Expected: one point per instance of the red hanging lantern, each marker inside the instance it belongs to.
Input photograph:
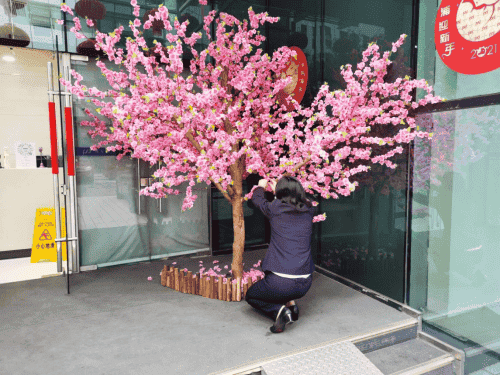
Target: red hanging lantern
(157, 25)
(87, 48)
(92, 9)
(13, 36)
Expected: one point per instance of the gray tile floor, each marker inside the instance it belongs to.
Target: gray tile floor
(115, 321)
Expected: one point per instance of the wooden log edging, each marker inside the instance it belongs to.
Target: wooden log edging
(203, 285)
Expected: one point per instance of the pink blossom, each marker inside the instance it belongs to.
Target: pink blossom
(226, 267)
(66, 8)
(270, 138)
(150, 278)
(174, 263)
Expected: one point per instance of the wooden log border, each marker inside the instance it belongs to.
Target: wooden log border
(197, 284)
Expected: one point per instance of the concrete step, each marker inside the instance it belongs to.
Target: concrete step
(415, 356)
(370, 341)
(396, 350)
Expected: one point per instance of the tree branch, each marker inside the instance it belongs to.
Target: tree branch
(194, 142)
(300, 165)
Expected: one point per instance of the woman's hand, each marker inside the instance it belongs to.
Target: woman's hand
(263, 184)
(273, 186)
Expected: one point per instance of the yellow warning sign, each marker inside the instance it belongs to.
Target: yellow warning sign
(44, 245)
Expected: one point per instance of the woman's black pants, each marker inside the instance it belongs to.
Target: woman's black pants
(269, 294)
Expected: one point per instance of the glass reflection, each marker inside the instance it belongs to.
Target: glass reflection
(31, 24)
(454, 227)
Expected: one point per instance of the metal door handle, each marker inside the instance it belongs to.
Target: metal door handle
(139, 184)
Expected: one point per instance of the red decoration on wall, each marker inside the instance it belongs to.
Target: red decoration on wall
(297, 69)
(92, 9)
(467, 35)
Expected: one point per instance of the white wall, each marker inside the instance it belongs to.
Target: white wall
(24, 116)
(22, 191)
(24, 113)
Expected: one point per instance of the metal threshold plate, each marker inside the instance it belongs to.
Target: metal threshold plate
(337, 359)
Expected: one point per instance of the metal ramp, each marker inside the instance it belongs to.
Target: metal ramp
(343, 358)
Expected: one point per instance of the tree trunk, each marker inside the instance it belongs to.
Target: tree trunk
(238, 226)
(239, 242)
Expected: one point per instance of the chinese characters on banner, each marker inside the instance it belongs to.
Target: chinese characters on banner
(467, 35)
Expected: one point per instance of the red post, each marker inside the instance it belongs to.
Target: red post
(69, 141)
(53, 138)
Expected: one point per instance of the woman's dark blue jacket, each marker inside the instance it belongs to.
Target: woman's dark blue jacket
(291, 229)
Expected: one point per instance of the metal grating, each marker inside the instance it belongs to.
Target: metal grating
(336, 359)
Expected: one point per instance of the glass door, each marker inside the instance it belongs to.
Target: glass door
(170, 230)
(257, 227)
(115, 224)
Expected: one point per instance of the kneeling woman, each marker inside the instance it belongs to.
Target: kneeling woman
(288, 263)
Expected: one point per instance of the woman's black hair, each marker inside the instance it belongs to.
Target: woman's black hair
(290, 190)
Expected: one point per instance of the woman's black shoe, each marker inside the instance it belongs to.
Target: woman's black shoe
(284, 317)
(295, 312)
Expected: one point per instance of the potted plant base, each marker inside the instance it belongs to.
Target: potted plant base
(205, 286)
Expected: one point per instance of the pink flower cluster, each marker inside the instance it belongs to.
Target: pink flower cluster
(225, 114)
(253, 274)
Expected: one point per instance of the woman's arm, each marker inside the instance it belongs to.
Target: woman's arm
(259, 199)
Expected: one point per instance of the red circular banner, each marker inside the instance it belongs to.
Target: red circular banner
(467, 35)
(297, 69)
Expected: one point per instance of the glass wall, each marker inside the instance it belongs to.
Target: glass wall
(455, 218)
(363, 237)
(454, 278)
(257, 227)
(351, 25)
(113, 14)
(31, 24)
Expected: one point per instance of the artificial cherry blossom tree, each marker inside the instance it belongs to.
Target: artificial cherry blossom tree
(223, 122)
